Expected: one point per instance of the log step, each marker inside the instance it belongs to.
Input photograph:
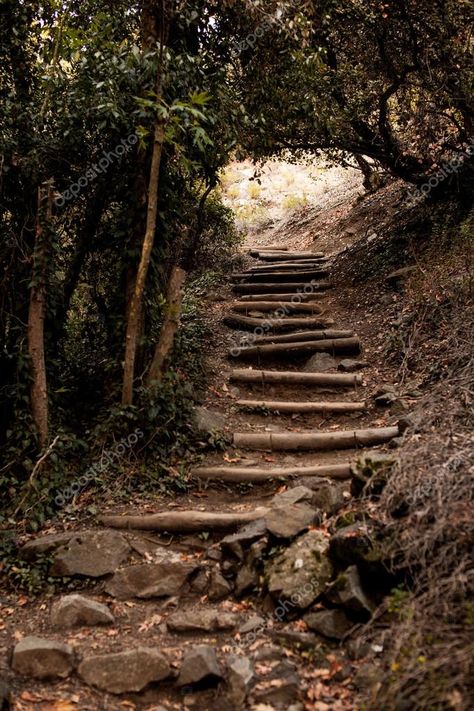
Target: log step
(281, 288)
(287, 306)
(303, 276)
(275, 324)
(300, 336)
(285, 266)
(302, 407)
(295, 441)
(268, 248)
(293, 298)
(184, 521)
(263, 377)
(287, 256)
(333, 345)
(261, 475)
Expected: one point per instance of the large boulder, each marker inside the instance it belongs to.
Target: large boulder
(278, 689)
(238, 543)
(289, 520)
(122, 672)
(357, 544)
(300, 573)
(204, 621)
(91, 554)
(149, 580)
(42, 658)
(208, 421)
(333, 624)
(200, 665)
(239, 678)
(76, 610)
(326, 495)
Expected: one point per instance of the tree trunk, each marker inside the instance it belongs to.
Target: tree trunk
(136, 304)
(164, 346)
(36, 318)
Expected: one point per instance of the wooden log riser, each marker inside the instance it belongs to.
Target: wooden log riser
(302, 407)
(336, 346)
(275, 324)
(271, 377)
(302, 277)
(184, 521)
(283, 306)
(292, 298)
(294, 442)
(301, 336)
(261, 475)
(282, 288)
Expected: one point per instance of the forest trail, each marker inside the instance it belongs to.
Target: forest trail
(235, 603)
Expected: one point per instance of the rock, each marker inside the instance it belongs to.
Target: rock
(219, 587)
(248, 576)
(150, 579)
(253, 623)
(352, 545)
(122, 672)
(42, 658)
(320, 363)
(5, 696)
(386, 399)
(45, 544)
(239, 680)
(289, 520)
(410, 422)
(214, 554)
(299, 574)
(76, 610)
(279, 688)
(200, 583)
(238, 542)
(349, 365)
(200, 665)
(91, 554)
(395, 279)
(201, 621)
(327, 496)
(330, 623)
(370, 474)
(347, 591)
(293, 638)
(208, 421)
(296, 495)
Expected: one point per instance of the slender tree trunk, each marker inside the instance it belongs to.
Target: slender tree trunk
(174, 299)
(136, 304)
(36, 318)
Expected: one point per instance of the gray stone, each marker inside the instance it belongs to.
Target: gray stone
(42, 658)
(247, 579)
(199, 665)
(283, 691)
(347, 591)
(410, 422)
(150, 579)
(296, 495)
(219, 587)
(326, 495)
(91, 554)
(320, 363)
(350, 365)
(330, 623)
(239, 680)
(293, 638)
(201, 621)
(201, 582)
(289, 520)
(353, 544)
(300, 573)
(208, 421)
(396, 278)
(253, 623)
(45, 544)
(76, 610)
(122, 672)
(237, 543)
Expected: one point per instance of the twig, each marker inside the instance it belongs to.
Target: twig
(35, 471)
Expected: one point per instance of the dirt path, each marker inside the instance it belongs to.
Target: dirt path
(198, 611)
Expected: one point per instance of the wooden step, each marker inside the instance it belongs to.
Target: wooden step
(287, 256)
(287, 306)
(302, 277)
(184, 521)
(300, 336)
(281, 288)
(290, 377)
(313, 441)
(293, 298)
(285, 266)
(302, 407)
(268, 248)
(250, 323)
(335, 346)
(261, 475)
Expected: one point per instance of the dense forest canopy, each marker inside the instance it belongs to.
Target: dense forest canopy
(116, 121)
